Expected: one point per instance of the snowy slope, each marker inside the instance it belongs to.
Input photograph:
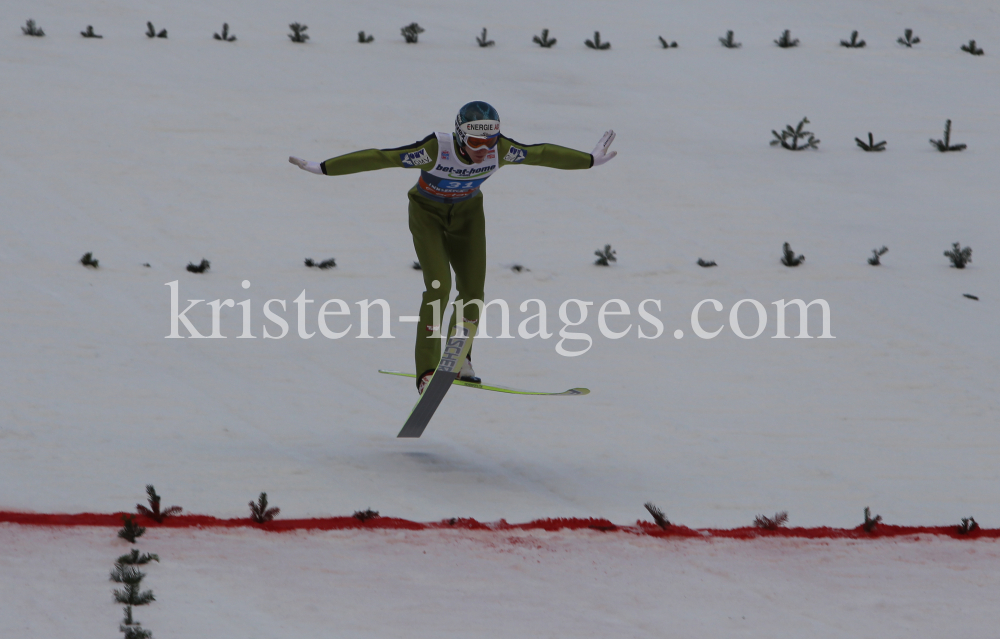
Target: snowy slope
(168, 151)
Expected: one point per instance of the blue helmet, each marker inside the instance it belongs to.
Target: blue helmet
(476, 119)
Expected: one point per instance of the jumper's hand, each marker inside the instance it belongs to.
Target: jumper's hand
(600, 152)
(312, 167)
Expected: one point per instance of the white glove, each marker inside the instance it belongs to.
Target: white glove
(600, 152)
(312, 167)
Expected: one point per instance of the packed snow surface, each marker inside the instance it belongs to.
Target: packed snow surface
(162, 152)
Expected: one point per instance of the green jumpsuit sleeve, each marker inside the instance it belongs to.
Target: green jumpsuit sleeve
(406, 157)
(550, 155)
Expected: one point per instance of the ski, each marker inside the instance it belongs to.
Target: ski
(501, 389)
(456, 348)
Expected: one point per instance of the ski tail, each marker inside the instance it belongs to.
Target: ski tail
(453, 354)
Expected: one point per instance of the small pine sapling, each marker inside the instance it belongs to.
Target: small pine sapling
(876, 254)
(544, 41)
(789, 258)
(728, 41)
(89, 33)
(605, 256)
(325, 264)
(972, 48)
(365, 515)
(786, 41)
(88, 260)
(872, 145)
(769, 523)
(853, 43)
(154, 512)
(135, 559)
(151, 32)
(945, 145)
(131, 577)
(968, 525)
(483, 42)
(959, 256)
(971, 297)
(199, 268)
(519, 268)
(130, 530)
(298, 33)
(416, 266)
(133, 629)
(31, 29)
(667, 45)
(225, 34)
(870, 523)
(596, 42)
(657, 515)
(795, 135)
(702, 263)
(908, 39)
(411, 32)
(260, 513)
(365, 39)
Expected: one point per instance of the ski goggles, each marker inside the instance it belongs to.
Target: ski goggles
(480, 143)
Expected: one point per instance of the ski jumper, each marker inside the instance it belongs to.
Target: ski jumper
(446, 217)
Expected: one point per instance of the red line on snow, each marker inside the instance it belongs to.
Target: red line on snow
(392, 523)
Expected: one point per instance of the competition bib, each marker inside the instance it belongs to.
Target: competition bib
(451, 180)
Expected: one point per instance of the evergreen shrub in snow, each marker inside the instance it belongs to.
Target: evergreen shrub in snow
(199, 268)
(596, 42)
(908, 39)
(133, 629)
(88, 260)
(605, 256)
(154, 512)
(972, 48)
(968, 525)
(417, 267)
(667, 45)
(786, 41)
(657, 514)
(31, 29)
(788, 257)
(365, 39)
(769, 523)
(151, 32)
(959, 256)
(853, 43)
(795, 135)
(482, 40)
(225, 34)
(945, 145)
(130, 530)
(728, 41)
(89, 33)
(325, 264)
(365, 515)
(876, 254)
(298, 33)
(544, 41)
(411, 32)
(705, 264)
(872, 145)
(870, 523)
(519, 268)
(260, 513)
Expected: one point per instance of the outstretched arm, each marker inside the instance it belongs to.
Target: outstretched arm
(555, 156)
(410, 156)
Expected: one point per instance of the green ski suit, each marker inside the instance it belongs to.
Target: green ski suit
(447, 220)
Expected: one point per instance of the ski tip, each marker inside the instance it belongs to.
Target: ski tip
(578, 391)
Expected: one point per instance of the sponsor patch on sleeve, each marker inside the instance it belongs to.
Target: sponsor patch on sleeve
(415, 158)
(515, 155)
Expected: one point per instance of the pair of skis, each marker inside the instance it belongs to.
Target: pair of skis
(456, 349)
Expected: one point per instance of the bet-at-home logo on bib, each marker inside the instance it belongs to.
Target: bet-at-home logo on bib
(515, 155)
(415, 159)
